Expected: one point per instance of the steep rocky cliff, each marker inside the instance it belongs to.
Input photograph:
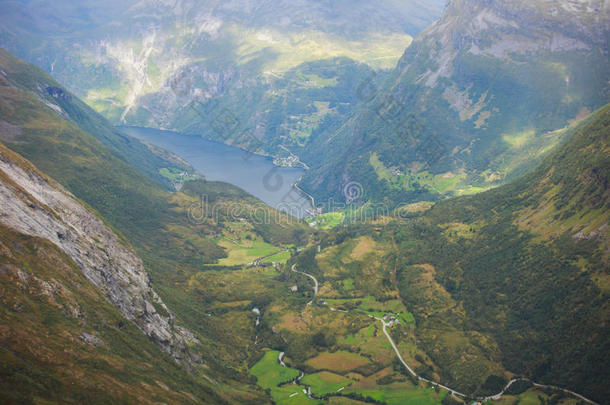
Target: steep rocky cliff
(505, 29)
(35, 205)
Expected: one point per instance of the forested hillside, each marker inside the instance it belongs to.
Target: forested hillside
(447, 162)
(174, 240)
(476, 100)
(512, 279)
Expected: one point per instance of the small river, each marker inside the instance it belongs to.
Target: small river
(253, 173)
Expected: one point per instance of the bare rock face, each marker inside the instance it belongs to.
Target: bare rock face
(36, 205)
(501, 29)
(58, 93)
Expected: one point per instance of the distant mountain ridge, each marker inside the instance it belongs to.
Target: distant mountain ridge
(123, 58)
(486, 86)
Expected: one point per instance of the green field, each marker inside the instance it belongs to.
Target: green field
(270, 374)
(177, 175)
(325, 383)
(245, 252)
(370, 306)
(348, 284)
(339, 361)
(404, 396)
(281, 257)
(410, 180)
(328, 220)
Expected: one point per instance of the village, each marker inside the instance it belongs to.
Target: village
(391, 320)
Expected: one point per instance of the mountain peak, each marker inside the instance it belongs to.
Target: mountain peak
(501, 28)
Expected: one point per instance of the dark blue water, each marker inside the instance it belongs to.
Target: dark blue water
(219, 162)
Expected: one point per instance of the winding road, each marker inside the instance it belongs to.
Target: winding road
(420, 378)
(258, 260)
(315, 281)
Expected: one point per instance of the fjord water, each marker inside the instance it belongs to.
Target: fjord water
(253, 173)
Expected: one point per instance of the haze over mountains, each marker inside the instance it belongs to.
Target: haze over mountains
(475, 100)
(486, 85)
(468, 141)
(126, 55)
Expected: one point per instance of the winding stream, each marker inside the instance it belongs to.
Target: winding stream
(256, 322)
(297, 380)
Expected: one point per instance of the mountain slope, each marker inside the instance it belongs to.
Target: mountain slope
(30, 78)
(474, 101)
(533, 272)
(510, 281)
(283, 112)
(175, 234)
(125, 59)
(69, 281)
(35, 206)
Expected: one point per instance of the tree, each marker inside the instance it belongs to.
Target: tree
(319, 339)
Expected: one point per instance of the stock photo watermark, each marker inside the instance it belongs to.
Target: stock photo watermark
(392, 115)
(203, 211)
(395, 117)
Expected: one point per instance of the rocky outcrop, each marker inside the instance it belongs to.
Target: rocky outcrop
(504, 28)
(36, 205)
(58, 93)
